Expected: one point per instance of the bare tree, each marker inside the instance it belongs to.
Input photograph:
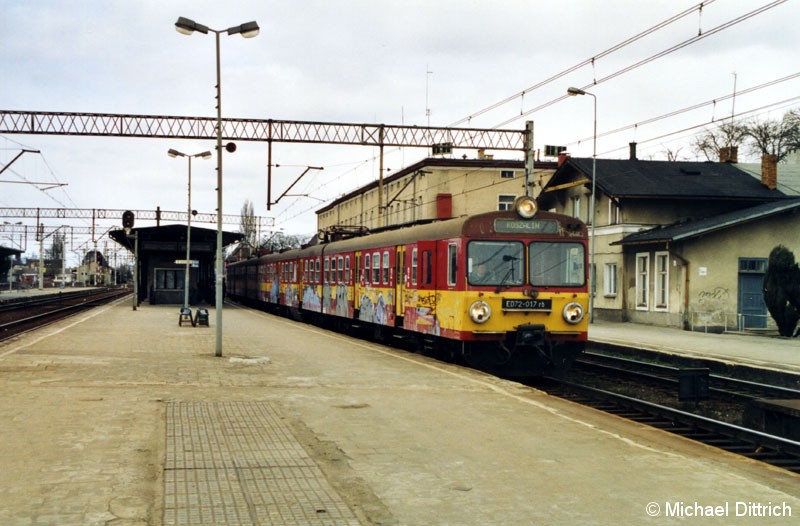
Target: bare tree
(247, 227)
(280, 241)
(772, 137)
(726, 135)
(672, 155)
(794, 141)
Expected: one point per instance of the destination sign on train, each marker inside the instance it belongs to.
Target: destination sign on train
(525, 226)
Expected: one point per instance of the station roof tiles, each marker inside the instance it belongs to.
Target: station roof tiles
(669, 179)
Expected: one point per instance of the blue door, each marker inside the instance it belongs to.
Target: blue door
(751, 293)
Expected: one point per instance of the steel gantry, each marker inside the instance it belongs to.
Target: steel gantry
(156, 215)
(263, 130)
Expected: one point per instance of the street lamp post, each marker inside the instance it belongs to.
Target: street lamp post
(593, 274)
(186, 26)
(202, 155)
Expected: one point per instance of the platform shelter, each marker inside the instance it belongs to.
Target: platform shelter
(162, 256)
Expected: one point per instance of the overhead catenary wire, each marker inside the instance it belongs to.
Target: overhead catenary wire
(785, 103)
(649, 59)
(690, 108)
(589, 61)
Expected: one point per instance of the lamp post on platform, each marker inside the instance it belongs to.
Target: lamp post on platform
(593, 274)
(186, 26)
(202, 155)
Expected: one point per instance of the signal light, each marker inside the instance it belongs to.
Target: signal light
(127, 219)
(230, 147)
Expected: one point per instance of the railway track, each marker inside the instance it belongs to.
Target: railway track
(19, 316)
(630, 388)
(720, 387)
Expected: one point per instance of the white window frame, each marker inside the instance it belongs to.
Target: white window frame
(576, 206)
(503, 202)
(452, 264)
(642, 300)
(414, 265)
(661, 281)
(610, 280)
(385, 268)
(376, 268)
(613, 213)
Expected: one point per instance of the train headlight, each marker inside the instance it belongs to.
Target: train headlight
(525, 206)
(480, 312)
(573, 313)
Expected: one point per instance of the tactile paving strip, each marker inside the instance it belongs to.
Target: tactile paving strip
(236, 463)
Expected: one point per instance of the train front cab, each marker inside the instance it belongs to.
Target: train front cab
(510, 294)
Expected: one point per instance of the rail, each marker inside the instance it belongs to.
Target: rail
(757, 445)
(20, 317)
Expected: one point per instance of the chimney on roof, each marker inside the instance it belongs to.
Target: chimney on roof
(562, 158)
(729, 154)
(632, 146)
(769, 171)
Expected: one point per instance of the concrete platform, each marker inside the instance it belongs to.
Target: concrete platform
(773, 353)
(122, 417)
(7, 295)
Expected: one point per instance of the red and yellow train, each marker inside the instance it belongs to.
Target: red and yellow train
(506, 290)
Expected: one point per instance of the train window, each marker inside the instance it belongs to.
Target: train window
(414, 266)
(496, 263)
(366, 268)
(452, 260)
(305, 270)
(316, 271)
(327, 276)
(427, 267)
(333, 269)
(294, 271)
(556, 264)
(341, 269)
(347, 269)
(386, 267)
(376, 267)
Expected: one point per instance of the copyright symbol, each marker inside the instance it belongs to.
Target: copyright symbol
(653, 509)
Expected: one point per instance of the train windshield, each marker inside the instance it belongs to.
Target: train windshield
(496, 263)
(554, 264)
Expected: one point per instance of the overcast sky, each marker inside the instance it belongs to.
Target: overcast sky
(364, 62)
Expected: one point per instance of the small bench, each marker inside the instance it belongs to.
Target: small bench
(186, 315)
(201, 317)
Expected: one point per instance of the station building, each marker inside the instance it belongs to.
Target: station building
(433, 188)
(681, 244)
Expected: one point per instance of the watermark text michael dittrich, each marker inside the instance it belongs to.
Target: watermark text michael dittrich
(726, 509)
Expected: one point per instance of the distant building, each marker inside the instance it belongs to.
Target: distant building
(433, 188)
(8, 258)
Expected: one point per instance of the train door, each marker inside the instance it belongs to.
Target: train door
(399, 282)
(358, 281)
(427, 296)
